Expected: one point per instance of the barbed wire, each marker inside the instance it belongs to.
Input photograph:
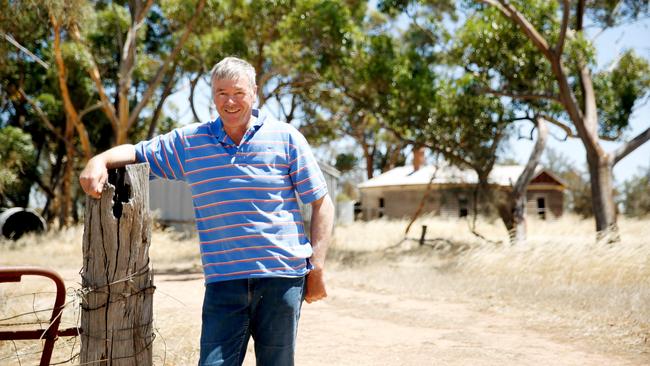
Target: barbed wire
(16, 351)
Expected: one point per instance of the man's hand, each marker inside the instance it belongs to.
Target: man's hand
(95, 174)
(93, 177)
(322, 220)
(315, 286)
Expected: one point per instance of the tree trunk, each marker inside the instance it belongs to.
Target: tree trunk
(513, 211)
(370, 160)
(423, 201)
(116, 319)
(519, 231)
(602, 197)
(68, 171)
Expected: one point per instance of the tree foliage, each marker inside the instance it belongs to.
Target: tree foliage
(59, 75)
(619, 91)
(17, 160)
(636, 194)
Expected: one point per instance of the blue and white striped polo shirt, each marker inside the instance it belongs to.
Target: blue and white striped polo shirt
(244, 197)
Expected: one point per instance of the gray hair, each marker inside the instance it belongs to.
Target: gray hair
(232, 68)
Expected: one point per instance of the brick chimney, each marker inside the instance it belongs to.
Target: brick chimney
(418, 158)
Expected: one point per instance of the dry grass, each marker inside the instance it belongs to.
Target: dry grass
(560, 279)
(559, 276)
(62, 252)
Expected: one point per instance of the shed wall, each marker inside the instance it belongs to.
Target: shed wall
(171, 201)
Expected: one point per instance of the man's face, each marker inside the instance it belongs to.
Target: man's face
(234, 100)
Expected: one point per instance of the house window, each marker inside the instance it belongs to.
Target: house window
(381, 207)
(463, 203)
(541, 208)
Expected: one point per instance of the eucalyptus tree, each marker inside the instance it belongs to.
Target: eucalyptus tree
(121, 55)
(87, 78)
(291, 44)
(436, 104)
(126, 71)
(538, 52)
(353, 98)
(31, 101)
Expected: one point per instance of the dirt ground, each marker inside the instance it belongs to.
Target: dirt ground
(362, 323)
(396, 306)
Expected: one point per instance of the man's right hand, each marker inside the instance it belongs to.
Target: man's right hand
(93, 177)
(95, 174)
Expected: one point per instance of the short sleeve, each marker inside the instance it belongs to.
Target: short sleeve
(165, 155)
(304, 171)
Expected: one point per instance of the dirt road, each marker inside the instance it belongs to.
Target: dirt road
(358, 325)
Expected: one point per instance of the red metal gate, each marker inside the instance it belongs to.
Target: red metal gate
(52, 332)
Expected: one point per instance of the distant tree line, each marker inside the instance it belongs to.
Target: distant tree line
(458, 78)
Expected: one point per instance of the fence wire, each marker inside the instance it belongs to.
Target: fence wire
(67, 349)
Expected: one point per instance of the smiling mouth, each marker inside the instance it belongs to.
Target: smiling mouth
(231, 110)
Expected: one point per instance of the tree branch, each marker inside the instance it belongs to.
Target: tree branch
(127, 65)
(566, 12)
(631, 145)
(70, 110)
(165, 65)
(527, 175)
(580, 13)
(590, 107)
(93, 72)
(513, 14)
(41, 114)
(305, 80)
(90, 109)
(426, 32)
(11, 40)
(520, 96)
(567, 130)
(156, 113)
(193, 83)
(566, 95)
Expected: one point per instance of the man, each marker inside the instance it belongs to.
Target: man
(245, 170)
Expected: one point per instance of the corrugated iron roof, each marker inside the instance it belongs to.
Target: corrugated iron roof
(503, 175)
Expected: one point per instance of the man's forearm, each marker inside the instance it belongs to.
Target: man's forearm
(322, 220)
(118, 156)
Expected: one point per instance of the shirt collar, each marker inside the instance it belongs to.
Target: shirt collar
(219, 132)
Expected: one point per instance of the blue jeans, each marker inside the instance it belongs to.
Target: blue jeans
(267, 309)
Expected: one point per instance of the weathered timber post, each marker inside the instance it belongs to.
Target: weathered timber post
(423, 235)
(116, 317)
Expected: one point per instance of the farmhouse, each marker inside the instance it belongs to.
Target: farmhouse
(398, 192)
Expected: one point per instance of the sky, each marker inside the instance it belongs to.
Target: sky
(609, 45)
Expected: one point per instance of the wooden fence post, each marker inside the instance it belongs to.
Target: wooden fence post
(117, 307)
(423, 235)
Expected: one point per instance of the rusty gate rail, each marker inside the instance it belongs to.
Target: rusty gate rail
(50, 335)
